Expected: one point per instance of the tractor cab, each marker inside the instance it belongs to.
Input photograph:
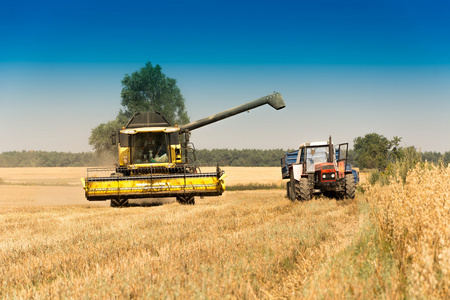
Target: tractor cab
(315, 156)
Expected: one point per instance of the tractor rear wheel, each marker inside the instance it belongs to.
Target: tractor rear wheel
(302, 190)
(350, 186)
(293, 192)
(288, 190)
(292, 183)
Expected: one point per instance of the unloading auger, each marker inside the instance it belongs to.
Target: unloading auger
(155, 160)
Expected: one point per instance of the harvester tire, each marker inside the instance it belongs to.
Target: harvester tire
(188, 200)
(350, 186)
(119, 202)
(302, 190)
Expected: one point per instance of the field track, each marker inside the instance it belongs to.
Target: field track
(244, 244)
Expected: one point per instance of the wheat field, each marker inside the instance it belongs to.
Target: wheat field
(243, 244)
(414, 217)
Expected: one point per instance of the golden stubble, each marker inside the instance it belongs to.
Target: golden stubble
(248, 244)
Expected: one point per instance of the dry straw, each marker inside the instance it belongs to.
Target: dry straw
(414, 216)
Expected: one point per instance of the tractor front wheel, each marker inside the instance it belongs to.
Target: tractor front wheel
(302, 190)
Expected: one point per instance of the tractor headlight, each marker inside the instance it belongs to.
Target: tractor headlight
(332, 175)
(125, 159)
(324, 176)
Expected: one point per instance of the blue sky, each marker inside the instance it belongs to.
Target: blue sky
(345, 68)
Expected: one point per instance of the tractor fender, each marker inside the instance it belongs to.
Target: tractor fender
(297, 171)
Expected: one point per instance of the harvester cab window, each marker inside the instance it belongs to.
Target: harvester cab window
(149, 147)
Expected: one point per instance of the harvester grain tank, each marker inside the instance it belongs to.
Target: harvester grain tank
(155, 160)
(318, 168)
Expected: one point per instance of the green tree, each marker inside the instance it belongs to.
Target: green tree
(100, 138)
(375, 151)
(150, 90)
(145, 90)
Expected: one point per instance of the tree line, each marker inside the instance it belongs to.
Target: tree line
(48, 159)
(240, 158)
(223, 157)
(204, 157)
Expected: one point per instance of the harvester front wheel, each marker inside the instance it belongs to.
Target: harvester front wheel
(302, 190)
(350, 186)
(188, 200)
(119, 202)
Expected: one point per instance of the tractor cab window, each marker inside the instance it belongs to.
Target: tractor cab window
(149, 147)
(315, 156)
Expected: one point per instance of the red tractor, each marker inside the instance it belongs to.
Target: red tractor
(318, 168)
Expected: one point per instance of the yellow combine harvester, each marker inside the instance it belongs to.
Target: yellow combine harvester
(155, 160)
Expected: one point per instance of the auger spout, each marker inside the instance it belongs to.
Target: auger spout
(275, 100)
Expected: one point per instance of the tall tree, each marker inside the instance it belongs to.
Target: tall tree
(145, 90)
(149, 89)
(100, 138)
(375, 151)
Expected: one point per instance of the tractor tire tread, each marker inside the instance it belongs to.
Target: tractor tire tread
(302, 190)
(350, 188)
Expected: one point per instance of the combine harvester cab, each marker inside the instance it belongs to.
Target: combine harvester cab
(155, 160)
(318, 168)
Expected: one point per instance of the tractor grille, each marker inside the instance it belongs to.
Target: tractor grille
(331, 176)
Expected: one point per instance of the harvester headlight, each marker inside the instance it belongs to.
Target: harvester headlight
(332, 175)
(323, 176)
(125, 159)
(129, 131)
